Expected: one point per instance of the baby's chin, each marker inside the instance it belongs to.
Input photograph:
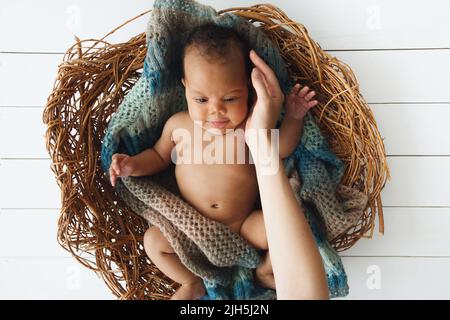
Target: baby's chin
(229, 128)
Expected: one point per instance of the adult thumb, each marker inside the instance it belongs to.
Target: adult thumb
(258, 83)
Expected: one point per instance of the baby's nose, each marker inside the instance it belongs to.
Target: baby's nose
(216, 108)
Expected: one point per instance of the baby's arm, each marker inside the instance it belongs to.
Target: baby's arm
(157, 158)
(297, 105)
(290, 135)
(149, 161)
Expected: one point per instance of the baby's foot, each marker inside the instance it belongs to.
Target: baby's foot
(299, 102)
(190, 291)
(264, 272)
(265, 280)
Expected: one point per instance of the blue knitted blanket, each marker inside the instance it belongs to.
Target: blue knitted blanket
(158, 94)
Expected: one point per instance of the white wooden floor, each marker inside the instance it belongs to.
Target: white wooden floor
(399, 51)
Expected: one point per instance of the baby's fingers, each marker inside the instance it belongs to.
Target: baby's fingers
(304, 91)
(312, 103)
(115, 168)
(310, 95)
(112, 176)
(295, 89)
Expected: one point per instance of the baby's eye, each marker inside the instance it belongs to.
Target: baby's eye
(200, 100)
(230, 99)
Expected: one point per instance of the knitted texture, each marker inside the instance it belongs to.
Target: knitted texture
(208, 248)
(339, 207)
(190, 233)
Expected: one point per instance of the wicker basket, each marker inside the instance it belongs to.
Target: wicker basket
(99, 229)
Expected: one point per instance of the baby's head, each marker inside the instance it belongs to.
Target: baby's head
(216, 74)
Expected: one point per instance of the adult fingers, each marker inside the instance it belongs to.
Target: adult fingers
(260, 86)
(271, 81)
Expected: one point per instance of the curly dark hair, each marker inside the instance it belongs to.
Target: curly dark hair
(216, 43)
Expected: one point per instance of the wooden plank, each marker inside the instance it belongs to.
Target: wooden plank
(352, 24)
(420, 232)
(401, 76)
(28, 142)
(366, 24)
(416, 181)
(397, 278)
(368, 278)
(27, 79)
(33, 232)
(54, 24)
(414, 129)
(28, 184)
(411, 129)
(50, 279)
(384, 76)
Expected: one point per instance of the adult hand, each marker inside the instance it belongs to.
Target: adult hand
(292, 246)
(269, 98)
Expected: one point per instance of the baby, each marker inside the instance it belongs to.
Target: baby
(216, 76)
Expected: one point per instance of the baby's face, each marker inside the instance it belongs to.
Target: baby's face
(216, 93)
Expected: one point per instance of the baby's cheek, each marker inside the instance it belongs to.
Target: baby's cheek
(195, 113)
(243, 110)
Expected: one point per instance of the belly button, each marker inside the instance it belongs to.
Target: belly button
(214, 205)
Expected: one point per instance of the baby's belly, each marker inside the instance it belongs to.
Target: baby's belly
(224, 193)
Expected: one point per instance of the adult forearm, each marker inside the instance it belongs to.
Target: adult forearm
(297, 264)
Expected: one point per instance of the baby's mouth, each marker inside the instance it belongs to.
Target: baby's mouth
(218, 124)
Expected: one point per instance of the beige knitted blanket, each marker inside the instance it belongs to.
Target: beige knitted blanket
(206, 247)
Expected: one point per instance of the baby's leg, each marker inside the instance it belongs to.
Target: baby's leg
(254, 231)
(162, 255)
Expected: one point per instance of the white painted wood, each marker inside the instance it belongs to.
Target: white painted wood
(29, 143)
(50, 278)
(27, 79)
(407, 90)
(383, 76)
(28, 184)
(414, 129)
(422, 232)
(33, 233)
(366, 24)
(49, 26)
(411, 278)
(416, 181)
(401, 76)
(409, 232)
(411, 129)
(399, 278)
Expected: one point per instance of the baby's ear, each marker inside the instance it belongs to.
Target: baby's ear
(182, 81)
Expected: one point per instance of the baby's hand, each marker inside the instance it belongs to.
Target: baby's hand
(122, 165)
(298, 102)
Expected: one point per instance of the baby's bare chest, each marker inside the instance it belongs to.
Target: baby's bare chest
(225, 193)
(217, 178)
